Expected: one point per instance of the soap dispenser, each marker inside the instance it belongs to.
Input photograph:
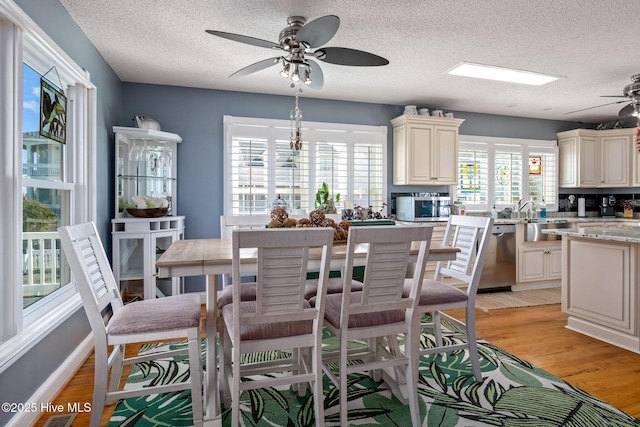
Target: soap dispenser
(494, 212)
(543, 209)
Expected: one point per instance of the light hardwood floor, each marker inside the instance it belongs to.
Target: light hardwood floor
(536, 334)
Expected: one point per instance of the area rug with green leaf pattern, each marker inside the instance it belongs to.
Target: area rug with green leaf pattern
(513, 393)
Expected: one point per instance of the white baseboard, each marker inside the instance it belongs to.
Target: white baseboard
(47, 392)
(535, 285)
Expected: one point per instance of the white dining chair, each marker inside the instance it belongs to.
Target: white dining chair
(278, 318)
(470, 234)
(115, 324)
(380, 312)
(228, 223)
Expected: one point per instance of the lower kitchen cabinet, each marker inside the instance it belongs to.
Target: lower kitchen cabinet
(537, 262)
(136, 245)
(600, 288)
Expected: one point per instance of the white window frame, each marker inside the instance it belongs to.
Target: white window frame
(271, 129)
(493, 144)
(22, 40)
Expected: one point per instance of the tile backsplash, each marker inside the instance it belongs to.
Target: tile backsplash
(593, 202)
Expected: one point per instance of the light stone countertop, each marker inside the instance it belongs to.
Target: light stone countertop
(623, 234)
(572, 219)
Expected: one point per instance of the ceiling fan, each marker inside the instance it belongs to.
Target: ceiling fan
(299, 42)
(631, 92)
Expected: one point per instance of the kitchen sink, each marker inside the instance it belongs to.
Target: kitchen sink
(534, 227)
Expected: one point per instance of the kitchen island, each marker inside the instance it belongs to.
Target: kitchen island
(600, 283)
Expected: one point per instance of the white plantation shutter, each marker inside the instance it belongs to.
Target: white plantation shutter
(368, 176)
(473, 176)
(332, 166)
(260, 165)
(292, 174)
(497, 170)
(250, 175)
(543, 185)
(508, 176)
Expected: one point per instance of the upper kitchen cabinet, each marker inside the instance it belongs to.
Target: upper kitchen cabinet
(595, 158)
(425, 150)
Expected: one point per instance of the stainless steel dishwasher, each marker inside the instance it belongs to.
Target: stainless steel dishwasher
(499, 270)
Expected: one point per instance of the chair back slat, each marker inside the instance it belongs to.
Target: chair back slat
(92, 272)
(282, 259)
(471, 236)
(386, 270)
(465, 239)
(228, 223)
(388, 255)
(281, 276)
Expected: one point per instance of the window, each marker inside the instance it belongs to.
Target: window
(50, 183)
(261, 165)
(45, 200)
(502, 171)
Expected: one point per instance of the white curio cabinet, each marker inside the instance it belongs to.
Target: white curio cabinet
(145, 166)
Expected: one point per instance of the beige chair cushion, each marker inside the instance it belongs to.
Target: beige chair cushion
(272, 330)
(248, 290)
(435, 292)
(334, 286)
(159, 314)
(333, 309)
(247, 293)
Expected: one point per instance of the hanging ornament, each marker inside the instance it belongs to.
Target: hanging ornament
(296, 125)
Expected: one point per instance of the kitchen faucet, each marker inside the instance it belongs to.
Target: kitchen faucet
(522, 205)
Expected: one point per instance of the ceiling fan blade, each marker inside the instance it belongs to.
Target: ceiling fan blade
(597, 106)
(245, 39)
(612, 96)
(317, 77)
(352, 57)
(319, 31)
(260, 65)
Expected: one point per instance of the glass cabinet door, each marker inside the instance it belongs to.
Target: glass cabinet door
(145, 166)
(129, 265)
(160, 243)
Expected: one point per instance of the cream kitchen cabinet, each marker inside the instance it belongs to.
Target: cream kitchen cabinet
(540, 261)
(425, 150)
(595, 158)
(635, 161)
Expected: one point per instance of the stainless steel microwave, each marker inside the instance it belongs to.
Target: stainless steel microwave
(422, 208)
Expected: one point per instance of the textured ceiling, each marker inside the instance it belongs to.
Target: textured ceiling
(593, 43)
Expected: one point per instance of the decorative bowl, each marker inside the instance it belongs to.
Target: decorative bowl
(148, 213)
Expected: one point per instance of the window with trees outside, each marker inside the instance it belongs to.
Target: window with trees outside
(502, 171)
(260, 165)
(48, 130)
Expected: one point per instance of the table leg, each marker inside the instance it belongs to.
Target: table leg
(211, 395)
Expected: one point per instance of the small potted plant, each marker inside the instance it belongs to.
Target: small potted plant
(324, 201)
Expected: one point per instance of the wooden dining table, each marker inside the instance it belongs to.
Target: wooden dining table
(213, 257)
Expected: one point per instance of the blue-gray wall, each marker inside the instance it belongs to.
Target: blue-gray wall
(196, 115)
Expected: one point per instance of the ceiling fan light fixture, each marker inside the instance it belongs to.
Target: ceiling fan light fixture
(295, 75)
(307, 76)
(286, 70)
(492, 72)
